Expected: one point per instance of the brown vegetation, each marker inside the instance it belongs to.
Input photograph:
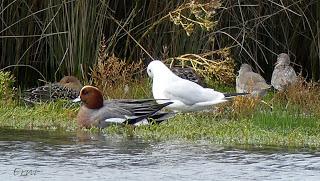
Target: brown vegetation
(303, 96)
(216, 65)
(113, 76)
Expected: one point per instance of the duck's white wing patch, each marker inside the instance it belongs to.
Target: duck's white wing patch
(114, 120)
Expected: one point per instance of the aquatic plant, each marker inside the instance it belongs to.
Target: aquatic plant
(62, 37)
(54, 37)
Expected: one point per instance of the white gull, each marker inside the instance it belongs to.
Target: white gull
(186, 95)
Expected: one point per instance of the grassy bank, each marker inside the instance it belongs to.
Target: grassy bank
(293, 120)
(52, 116)
(274, 128)
(225, 125)
(278, 128)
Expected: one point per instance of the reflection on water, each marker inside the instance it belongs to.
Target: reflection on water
(41, 155)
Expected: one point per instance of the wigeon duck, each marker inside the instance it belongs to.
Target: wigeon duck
(251, 82)
(189, 74)
(67, 88)
(96, 112)
(186, 95)
(283, 74)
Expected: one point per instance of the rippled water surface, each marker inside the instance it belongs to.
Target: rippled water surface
(38, 155)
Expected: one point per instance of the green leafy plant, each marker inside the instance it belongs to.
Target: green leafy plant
(7, 91)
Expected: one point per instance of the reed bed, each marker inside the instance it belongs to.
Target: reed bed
(262, 29)
(62, 37)
(48, 39)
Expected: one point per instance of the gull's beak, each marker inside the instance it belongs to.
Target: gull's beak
(76, 99)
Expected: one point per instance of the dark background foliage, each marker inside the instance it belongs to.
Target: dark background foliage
(62, 37)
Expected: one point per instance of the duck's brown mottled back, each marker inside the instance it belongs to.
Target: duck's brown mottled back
(67, 88)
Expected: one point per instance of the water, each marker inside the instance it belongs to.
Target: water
(39, 155)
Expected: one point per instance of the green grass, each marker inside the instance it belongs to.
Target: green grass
(240, 122)
(275, 128)
(263, 128)
(52, 116)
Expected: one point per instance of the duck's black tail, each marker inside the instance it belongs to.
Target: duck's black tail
(160, 117)
(151, 113)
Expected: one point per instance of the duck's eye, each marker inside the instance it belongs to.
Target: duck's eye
(84, 92)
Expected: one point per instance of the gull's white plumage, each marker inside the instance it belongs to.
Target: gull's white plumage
(185, 95)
